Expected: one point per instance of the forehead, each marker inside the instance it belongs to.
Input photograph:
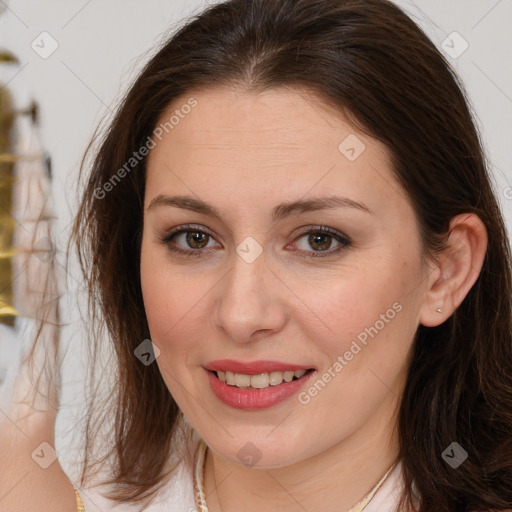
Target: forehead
(281, 139)
(230, 119)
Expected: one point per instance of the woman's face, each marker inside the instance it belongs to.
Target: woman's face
(260, 282)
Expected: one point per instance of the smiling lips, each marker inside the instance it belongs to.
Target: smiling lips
(255, 385)
(256, 374)
(260, 381)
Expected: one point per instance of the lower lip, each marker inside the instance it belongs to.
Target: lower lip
(254, 399)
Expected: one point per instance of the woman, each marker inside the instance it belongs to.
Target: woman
(290, 234)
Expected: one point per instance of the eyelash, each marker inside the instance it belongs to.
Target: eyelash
(189, 228)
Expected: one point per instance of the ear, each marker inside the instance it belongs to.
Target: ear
(456, 269)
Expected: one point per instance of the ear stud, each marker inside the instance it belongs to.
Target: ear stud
(439, 310)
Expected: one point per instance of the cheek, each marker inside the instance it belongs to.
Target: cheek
(365, 330)
(171, 306)
(357, 306)
(167, 305)
(174, 304)
(368, 319)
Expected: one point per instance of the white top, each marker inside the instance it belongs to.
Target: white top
(177, 495)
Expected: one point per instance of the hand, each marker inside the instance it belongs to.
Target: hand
(30, 475)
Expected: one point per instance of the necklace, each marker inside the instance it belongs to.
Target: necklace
(199, 469)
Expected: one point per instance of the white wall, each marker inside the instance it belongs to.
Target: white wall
(101, 44)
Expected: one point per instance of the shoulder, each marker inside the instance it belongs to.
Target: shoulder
(33, 479)
(176, 495)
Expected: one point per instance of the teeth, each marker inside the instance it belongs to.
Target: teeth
(288, 376)
(242, 381)
(261, 381)
(275, 378)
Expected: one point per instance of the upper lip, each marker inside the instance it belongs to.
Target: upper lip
(252, 367)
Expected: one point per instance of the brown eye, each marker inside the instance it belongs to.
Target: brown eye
(196, 239)
(320, 241)
(188, 240)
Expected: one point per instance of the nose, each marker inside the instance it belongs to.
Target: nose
(250, 301)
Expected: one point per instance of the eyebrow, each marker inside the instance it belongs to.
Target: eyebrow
(280, 212)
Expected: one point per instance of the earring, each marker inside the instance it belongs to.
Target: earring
(439, 310)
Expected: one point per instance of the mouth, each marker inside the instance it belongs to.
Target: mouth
(261, 380)
(256, 385)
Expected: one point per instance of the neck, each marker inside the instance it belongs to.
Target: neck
(334, 480)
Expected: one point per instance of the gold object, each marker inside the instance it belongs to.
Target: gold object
(8, 158)
(79, 505)
(8, 57)
(7, 223)
(8, 161)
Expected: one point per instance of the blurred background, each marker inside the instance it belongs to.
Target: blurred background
(64, 65)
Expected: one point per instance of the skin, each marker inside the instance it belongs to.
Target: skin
(244, 154)
(261, 150)
(31, 478)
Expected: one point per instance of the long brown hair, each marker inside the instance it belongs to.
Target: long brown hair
(370, 61)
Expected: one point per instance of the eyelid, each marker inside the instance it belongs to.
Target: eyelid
(188, 227)
(321, 228)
